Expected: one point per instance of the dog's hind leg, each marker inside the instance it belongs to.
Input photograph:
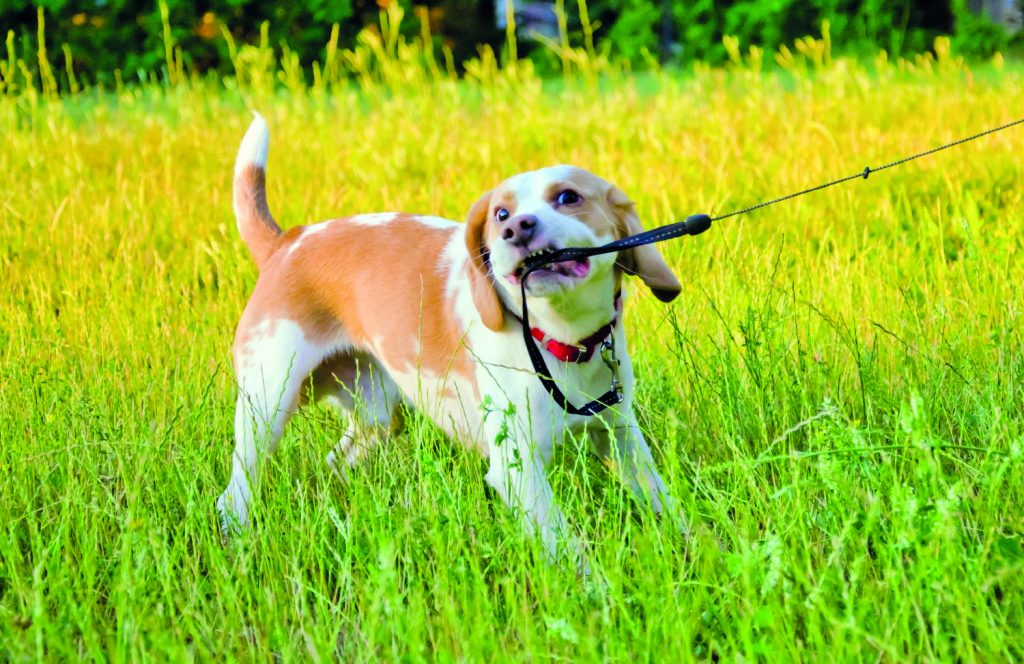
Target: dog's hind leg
(271, 364)
(371, 398)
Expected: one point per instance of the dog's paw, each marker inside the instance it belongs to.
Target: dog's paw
(231, 520)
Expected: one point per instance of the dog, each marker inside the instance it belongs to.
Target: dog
(378, 310)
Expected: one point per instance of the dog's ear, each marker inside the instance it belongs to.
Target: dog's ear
(481, 281)
(645, 262)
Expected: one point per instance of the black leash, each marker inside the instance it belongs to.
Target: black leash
(692, 225)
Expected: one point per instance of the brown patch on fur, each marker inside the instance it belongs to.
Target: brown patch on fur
(646, 261)
(255, 223)
(485, 296)
(380, 287)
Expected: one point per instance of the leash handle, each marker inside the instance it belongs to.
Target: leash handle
(695, 224)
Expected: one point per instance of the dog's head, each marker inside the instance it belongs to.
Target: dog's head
(552, 208)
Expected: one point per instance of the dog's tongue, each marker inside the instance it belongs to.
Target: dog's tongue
(572, 268)
(569, 268)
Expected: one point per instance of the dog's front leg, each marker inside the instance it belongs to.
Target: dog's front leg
(624, 449)
(518, 472)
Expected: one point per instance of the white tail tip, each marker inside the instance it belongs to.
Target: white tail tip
(255, 145)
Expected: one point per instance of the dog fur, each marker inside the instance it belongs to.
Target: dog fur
(377, 310)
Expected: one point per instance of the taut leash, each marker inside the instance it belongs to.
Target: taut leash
(692, 225)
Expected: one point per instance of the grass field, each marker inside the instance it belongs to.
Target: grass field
(836, 398)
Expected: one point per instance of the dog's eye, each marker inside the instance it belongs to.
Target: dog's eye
(501, 214)
(567, 197)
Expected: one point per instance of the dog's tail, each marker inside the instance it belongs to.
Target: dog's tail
(255, 223)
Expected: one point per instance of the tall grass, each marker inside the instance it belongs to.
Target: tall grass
(836, 397)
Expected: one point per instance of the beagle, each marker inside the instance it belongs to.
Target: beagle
(378, 310)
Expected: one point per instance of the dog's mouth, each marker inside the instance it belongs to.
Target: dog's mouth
(569, 269)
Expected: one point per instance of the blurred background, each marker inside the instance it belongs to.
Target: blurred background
(128, 36)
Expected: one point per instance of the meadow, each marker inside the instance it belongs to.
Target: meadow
(836, 397)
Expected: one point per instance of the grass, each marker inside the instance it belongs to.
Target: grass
(836, 398)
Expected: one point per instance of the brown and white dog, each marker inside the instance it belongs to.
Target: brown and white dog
(376, 310)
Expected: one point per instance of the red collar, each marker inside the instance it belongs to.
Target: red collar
(582, 350)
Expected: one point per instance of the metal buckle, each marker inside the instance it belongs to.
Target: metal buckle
(612, 361)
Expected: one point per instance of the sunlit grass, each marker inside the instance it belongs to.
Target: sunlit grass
(836, 397)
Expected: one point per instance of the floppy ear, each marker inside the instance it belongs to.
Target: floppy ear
(646, 261)
(481, 282)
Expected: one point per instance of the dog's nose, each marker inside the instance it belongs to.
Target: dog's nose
(519, 230)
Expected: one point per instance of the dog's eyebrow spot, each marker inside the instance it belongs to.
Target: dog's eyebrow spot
(376, 219)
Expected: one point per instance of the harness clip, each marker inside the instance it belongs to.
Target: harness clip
(612, 361)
